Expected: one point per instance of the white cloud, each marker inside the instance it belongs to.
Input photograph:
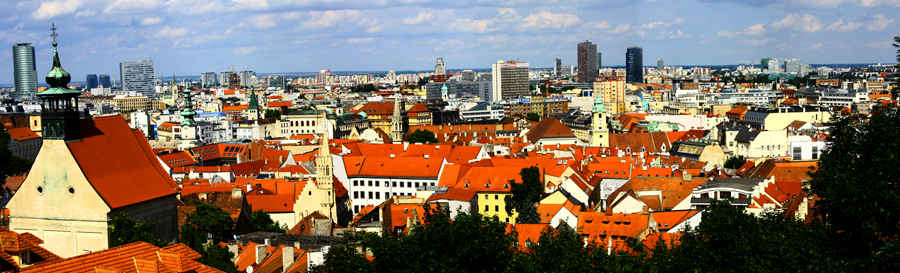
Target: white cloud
(151, 21)
(546, 19)
(676, 34)
(623, 28)
(266, 21)
(168, 32)
(132, 6)
(469, 25)
(656, 24)
(598, 25)
(52, 9)
(841, 26)
(726, 33)
(244, 5)
(880, 45)
(880, 3)
(756, 42)
(805, 23)
(816, 46)
(360, 40)
(757, 29)
(507, 13)
(880, 23)
(244, 50)
(421, 18)
(493, 39)
(325, 19)
(85, 13)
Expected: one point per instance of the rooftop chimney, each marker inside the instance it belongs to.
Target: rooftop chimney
(287, 257)
(260, 253)
(236, 193)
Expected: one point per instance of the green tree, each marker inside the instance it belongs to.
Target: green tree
(421, 136)
(533, 116)
(207, 220)
(217, 257)
(273, 113)
(557, 250)
(734, 162)
(10, 164)
(525, 194)
(124, 230)
(344, 259)
(261, 221)
(857, 186)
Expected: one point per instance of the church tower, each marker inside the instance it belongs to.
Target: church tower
(324, 174)
(188, 112)
(253, 109)
(599, 131)
(59, 105)
(397, 120)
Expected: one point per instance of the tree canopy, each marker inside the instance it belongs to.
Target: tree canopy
(525, 194)
(261, 221)
(10, 164)
(207, 220)
(124, 230)
(533, 116)
(421, 136)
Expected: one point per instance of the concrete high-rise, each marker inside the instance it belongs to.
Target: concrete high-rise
(246, 75)
(792, 66)
(659, 64)
(587, 61)
(611, 90)
(224, 77)
(439, 68)
(557, 67)
(91, 81)
(24, 71)
(208, 79)
(509, 80)
(599, 62)
(138, 77)
(634, 65)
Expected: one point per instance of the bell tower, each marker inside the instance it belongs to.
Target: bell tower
(599, 131)
(324, 169)
(59, 104)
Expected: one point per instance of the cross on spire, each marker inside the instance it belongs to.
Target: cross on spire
(53, 35)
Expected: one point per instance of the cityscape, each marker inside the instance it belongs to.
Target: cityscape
(399, 136)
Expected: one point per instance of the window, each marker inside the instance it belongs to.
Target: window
(377, 183)
(797, 152)
(378, 195)
(485, 197)
(387, 195)
(394, 184)
(496, 208)
(815, 152)
(370, 195)
(25, 257)
(417, 184)
(496, 196)
(355, 182)
(486, 208)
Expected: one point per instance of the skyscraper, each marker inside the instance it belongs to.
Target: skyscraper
(246, 75)
(599, 62)
(208, 79)
(659, 64)
(92, 81)
(764, 63)
(224, 77)
(439, 68)
(25, 71)
(792, 66)
(557, 67)
(634, 65)
(104, 80)
(138, 77)
(587, 61)
(510, 80)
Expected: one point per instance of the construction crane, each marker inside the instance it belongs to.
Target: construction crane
(233, 79)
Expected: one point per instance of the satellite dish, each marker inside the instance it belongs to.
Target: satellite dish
(250, 269)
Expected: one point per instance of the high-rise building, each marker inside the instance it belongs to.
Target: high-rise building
(599, 62)
(245, 77)
(467, 76)
(322, 76)
(104, 80)
(764, 63)
(587, 61)
(439, 68)
(138, 77)
(659, 64)
(24, 71)
(557, 66)
(277, 81)
(774, 66)
(634, 65)
(612, 91)
(510, 80)
(223, 78)
(208, 79)
(792, 66)
(91, 81)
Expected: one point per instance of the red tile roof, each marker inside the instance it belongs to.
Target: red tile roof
(272, 203)
(128, 258)
(22, 133)
(666, 220)
(280, 104)
(526, 234)
(549, 128)
(177, 159)
(111, 156)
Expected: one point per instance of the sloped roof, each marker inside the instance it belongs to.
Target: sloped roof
(22, 133)
(177, 159)
(659, 142)
(453, 194)
(668, 219)
(597, 225)
(125, 259)
(549, 128)
(527, 233)
(119, 163)
(272, 203)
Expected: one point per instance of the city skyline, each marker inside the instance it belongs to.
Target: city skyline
(281, 36)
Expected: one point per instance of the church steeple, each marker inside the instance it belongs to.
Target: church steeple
(59, 104)
(397, 121)
(188, 112)
(324, 168)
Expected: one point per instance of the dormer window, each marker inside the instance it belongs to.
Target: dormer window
(506, 185)
(487, 185)
(467, 185)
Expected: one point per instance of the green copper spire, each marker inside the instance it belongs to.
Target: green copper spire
(598, 103)
(60, 118)
(254, 103)
(57, 78)
(188, 112)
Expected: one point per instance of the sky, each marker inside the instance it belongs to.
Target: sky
(187, 37)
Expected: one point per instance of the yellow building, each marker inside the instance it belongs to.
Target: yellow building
(491, 203)
(612, 90)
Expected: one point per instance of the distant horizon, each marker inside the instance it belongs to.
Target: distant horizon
(197, 76)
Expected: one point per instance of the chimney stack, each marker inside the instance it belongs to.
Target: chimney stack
(287, 257)
(260, 253)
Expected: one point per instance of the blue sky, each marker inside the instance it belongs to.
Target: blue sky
(193, 36)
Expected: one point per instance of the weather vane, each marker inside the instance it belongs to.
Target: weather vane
(54, 35)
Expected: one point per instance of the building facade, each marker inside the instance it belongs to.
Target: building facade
(510, 80)
(138, 77)
(634, 65)
(587, 61)
(208, 79)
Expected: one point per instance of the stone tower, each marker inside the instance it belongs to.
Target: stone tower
(324, 174)
(599, 131)
(397, 120)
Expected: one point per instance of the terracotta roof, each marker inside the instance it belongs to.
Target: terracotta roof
(393, 167)
(235, 108)
(126, 155)
(670, 239)
(783, 171)
(22, 133)
(301, 228)
(280, 104)
(600, 227)
(128, 258)
(547, 211)
(526, 233)
(272, 203)
(247, 256)
(177, 159)
(659, 142)
(453, 194)
(666, 220)
(550, 128)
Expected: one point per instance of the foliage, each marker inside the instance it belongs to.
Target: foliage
(363, 88)
(344, 259)
(523, 195)
(273, 113)
(124, 230)
(205, 221)
(10, 164)
(557, 250)
(857, 185)
(468, 243)
(734, 162)
(422, 81)
(218, 257)
(421, 136)
(261, 221)
(533, 116)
